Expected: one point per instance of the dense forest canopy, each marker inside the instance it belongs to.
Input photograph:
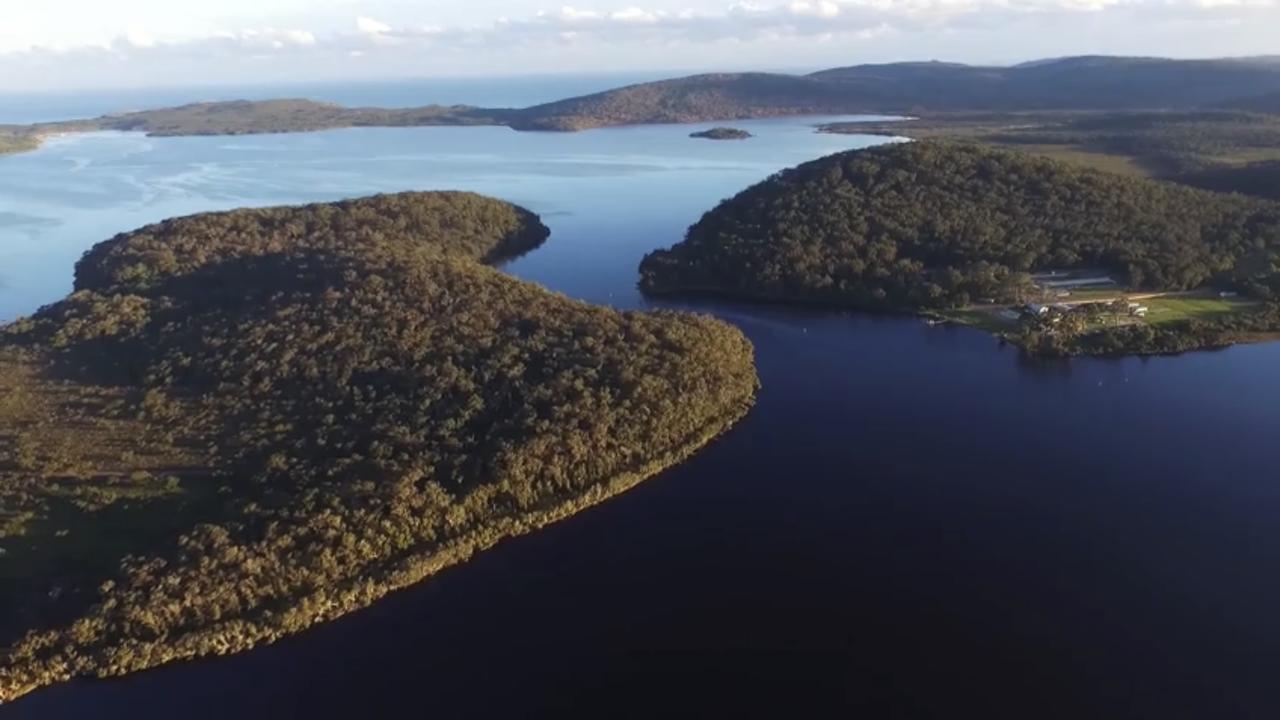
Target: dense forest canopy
(244, 423)
(939, 224)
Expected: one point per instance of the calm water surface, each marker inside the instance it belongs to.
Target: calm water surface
(914, 522)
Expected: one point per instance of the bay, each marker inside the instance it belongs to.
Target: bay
(913, 522)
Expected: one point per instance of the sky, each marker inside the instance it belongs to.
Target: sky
(85, 44)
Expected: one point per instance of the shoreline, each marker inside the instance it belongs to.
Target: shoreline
(39, 138)
(361, 591)
(944, 317)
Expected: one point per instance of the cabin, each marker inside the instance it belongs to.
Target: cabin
(1075, 282)
(1037, 310)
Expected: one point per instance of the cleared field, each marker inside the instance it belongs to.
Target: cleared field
(1079, 156)
(1098, 294)
(1173, 309)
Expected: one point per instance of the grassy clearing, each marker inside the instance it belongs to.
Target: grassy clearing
(1083, 157)
(1174, 309)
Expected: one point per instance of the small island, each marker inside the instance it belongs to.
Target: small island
(245, 423)
(722, 133)
(1056, 259)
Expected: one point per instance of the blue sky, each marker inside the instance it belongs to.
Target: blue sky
(68, 44)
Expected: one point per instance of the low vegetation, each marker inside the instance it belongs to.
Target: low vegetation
(241, 424)
(17, 140)
(938, 225)
(1214, 150)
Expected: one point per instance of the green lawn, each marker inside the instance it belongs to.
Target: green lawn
(1173, 309)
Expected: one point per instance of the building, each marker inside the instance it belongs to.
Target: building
(1075, 282)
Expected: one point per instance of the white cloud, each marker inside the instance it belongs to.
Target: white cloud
(369, 26)
(634, 15)
(743, 20)
(824, 8)
(402, 39)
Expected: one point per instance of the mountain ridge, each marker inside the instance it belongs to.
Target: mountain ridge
(1088, 82)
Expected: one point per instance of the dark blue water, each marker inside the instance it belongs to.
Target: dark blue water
(914, 521)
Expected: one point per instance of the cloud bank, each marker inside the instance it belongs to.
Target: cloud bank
(626, 35)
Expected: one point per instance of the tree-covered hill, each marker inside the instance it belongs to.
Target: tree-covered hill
(1073, 83)
(1084, 83)
(693, 99)
(243, 117)
(245, 423)
(939, 224)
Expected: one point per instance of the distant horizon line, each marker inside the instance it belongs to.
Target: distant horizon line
(655, 74)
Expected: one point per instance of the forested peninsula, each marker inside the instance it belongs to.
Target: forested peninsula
(913, 88)
(241, 424)
(1048, 255)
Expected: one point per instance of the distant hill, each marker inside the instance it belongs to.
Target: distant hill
(692, 99)
(241, 117)
(1080, 83)
(1265, 103)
